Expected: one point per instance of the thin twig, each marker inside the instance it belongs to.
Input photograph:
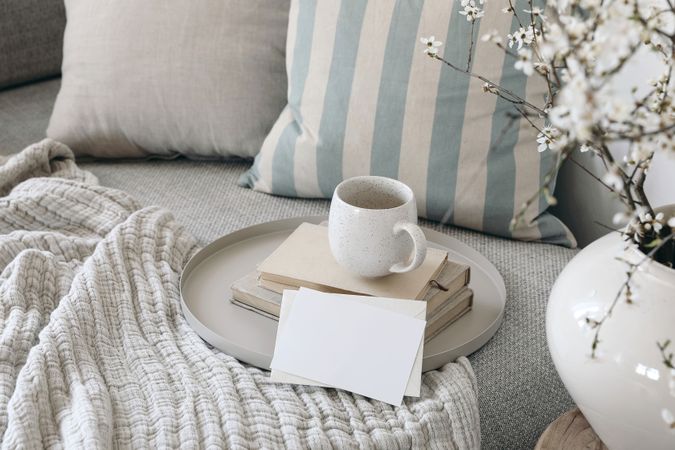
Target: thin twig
(515, 14)
(468, 62)
(625, 287)
(668, 358)
(606, 227)
(595, 177)
(545, 189)
(514, 97)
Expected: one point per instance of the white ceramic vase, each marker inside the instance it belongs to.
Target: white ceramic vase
(625, 392)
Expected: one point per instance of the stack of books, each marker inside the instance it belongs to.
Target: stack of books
(304, 259)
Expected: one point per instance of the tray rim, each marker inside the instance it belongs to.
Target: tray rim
(282, 225)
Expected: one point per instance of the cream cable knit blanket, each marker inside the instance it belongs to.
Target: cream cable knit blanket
(95, 353)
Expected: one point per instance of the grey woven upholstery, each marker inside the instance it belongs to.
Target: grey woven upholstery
(24, 114)
(519, 390)
(31, 40)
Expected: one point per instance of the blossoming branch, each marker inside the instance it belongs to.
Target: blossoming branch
(579, 48)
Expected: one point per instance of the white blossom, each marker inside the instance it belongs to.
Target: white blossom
(639, 154)
(561, 142)
(620, 218)
(546, 138)
(524, 61)
(575, 112)
(543, 68)
(431, 45)
(613, 179)
(649, 222)
(579, 51)
(575, 27)
(493, 36)
(520, 37)
(489, 87)
(556, 46)
(617, 109)
(471, 10)
(536, 12)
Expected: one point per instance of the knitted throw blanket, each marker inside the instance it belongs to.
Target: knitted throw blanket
(95, 352)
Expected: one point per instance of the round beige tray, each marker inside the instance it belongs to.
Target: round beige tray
(249, 337)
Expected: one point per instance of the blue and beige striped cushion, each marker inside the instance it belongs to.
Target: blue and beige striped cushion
(363, 98)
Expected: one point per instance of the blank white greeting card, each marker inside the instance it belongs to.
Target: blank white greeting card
(349, 345)
(417, 309)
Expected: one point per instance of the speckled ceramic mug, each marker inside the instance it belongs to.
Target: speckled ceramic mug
(372, 227)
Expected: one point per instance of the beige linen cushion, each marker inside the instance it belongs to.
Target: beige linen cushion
(202, 78)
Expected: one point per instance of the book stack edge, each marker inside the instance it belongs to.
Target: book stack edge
(304, 260)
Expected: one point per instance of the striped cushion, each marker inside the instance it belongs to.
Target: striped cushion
(363, 98)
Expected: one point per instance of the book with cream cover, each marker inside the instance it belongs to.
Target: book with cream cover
(266, 295)
(304, 259)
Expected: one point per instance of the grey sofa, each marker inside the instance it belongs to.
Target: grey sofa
(519, 390)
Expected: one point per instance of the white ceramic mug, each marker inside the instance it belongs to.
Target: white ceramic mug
(372, 227)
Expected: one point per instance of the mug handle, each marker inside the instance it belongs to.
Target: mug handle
(420, 247)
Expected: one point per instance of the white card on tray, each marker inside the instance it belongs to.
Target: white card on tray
(349, 345)
(412, 308)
